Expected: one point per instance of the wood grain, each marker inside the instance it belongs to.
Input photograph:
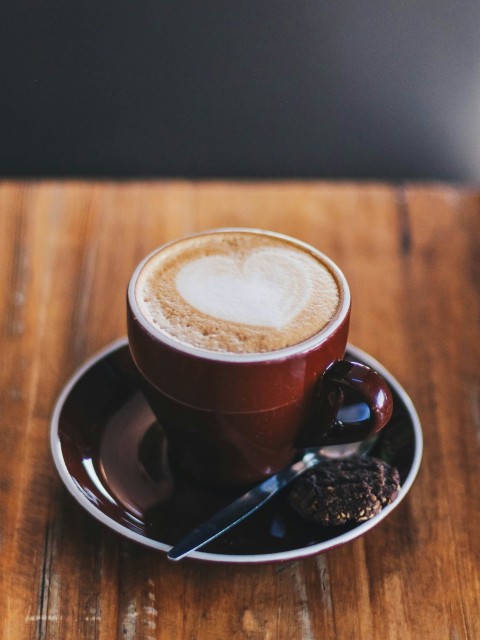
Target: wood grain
(412, 257)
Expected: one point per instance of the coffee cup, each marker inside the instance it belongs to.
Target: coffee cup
(239, 338)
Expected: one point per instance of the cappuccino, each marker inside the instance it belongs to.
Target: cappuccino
(237, 291)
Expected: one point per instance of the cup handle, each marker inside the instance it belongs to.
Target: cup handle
(326, 428)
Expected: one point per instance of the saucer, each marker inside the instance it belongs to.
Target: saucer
(111, 455)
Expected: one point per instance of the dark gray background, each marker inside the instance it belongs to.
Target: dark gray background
(366, 89)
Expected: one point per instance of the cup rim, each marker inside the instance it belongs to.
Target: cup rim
(223, 356)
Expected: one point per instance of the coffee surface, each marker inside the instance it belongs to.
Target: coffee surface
(237, 292)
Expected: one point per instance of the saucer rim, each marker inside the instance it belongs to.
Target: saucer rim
(283, 556)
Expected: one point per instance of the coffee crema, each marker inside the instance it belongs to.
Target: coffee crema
(237, 292)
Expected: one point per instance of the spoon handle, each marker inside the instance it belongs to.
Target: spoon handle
(242, 507)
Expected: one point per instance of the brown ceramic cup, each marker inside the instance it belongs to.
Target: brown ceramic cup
(234, 419)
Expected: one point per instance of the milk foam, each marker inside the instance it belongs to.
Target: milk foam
(267, 288)
(237, 291)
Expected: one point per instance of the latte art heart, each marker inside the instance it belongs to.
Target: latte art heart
(267, 288)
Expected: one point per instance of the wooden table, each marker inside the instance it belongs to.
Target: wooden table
(412, 257)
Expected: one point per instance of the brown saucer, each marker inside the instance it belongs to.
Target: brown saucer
(111, 456)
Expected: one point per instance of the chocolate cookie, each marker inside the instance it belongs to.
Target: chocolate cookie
(345, 490)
